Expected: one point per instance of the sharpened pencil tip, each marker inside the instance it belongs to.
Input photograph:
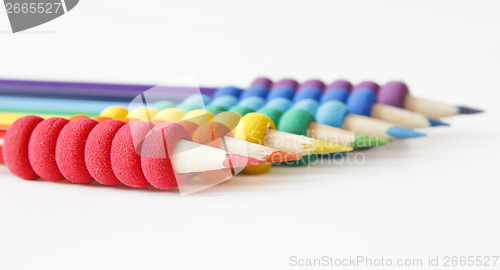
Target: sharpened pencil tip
(363, 141)
(235, 160)
(321, 147)
(404, 133)
(435, 123)
(280, 156)
(467, 110)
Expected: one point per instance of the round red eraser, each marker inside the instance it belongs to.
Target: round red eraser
(70, 150)
(125, 150)
(15, 146)
(156, 150)
(42, 148)
(98, 151)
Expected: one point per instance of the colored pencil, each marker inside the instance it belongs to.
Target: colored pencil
(278, 140)
(304, 146)
(390, 94)
(252, 151)
(32, 105)
(189, 157)
(360, 99)
(90, 91)
(358, 124)
(396, 93)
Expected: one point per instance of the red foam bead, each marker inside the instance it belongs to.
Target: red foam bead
(70, 150)
(15, 148)
(156, 150)
(42, 148)
(98, 151)
(125, 159)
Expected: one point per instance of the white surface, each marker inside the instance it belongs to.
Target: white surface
(412, 199)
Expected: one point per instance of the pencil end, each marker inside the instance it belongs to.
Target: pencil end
(435, 123)
(468, 110)
(404, 133)
(280, 156)
(321, 148)
(235, 160)
(363, 141)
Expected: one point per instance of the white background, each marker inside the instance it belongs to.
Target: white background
(412, 199)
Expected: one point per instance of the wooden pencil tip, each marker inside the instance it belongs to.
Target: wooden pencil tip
(235, 160)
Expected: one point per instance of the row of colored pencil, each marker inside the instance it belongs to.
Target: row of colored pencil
(193, 138)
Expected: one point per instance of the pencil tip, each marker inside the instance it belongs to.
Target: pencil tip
(363, 141)
(434, 123)
(403, 133)
(321, 147)
(467, 110)
(235, 160)
(280, 156)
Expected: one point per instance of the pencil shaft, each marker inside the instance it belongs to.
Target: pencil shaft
(82, 90)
